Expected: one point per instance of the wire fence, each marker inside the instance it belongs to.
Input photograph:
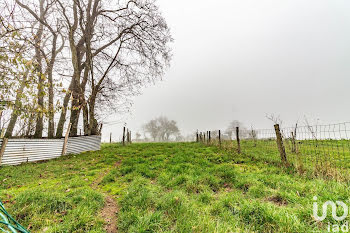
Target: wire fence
(319, 150)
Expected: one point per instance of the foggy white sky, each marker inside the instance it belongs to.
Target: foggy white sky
(239, 60)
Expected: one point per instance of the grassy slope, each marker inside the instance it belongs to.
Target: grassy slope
(56, 196)
(182, 187)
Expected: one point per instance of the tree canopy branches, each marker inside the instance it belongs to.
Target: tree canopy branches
(89, 57)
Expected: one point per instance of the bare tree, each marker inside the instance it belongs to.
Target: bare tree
(232, 128)
(46, 50)
(137, 136)
(110, 49)
(16, 73)
(161, 128)
(152, 128)
(275, 119)
(116, 46)
(168, 128)
(312, 129)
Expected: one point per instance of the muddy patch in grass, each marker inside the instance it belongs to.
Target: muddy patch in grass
(278, 200)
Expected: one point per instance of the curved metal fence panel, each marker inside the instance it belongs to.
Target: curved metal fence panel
(81, 144)
(18, 151)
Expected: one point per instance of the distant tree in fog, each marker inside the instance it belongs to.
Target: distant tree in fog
(214, 134)
(161, 128)
(152, 128)
(231, 129)
(138, 136)
(168, 128)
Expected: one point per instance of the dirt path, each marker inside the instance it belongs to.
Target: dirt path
(110, 210)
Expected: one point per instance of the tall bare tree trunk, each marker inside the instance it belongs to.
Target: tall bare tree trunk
(38, 37)
(75, 109)
(86, 120)
(93, 122)
(51, 123)
(29, 125)
(15, 112)
(62, 120)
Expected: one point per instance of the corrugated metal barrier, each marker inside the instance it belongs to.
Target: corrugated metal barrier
(84, 143)
(19, 151)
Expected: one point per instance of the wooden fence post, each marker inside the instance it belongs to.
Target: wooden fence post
(280, 145)
(209, 137)
(64, 149)
(238, 141)
(123, 142)
(110, 138)
(2, 150)
(220, 138)
(294, 146)
(127, 136)
(197, 137)
(100, 131)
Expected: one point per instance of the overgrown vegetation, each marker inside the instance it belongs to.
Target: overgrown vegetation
(166, 187)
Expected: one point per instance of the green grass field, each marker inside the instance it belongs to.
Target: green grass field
(165, 187)
(329, 159)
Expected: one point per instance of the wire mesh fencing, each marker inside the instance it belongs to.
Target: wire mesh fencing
(319, 150)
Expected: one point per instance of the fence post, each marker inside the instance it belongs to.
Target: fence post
(2, 150)
(128, 136)
(110, 138)
(238, 141)
(294, 150)
(203, 137)
(123, 142)
(64, 149)
(209, 137)
(280, 145)
(220, 138)
(100, 131)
